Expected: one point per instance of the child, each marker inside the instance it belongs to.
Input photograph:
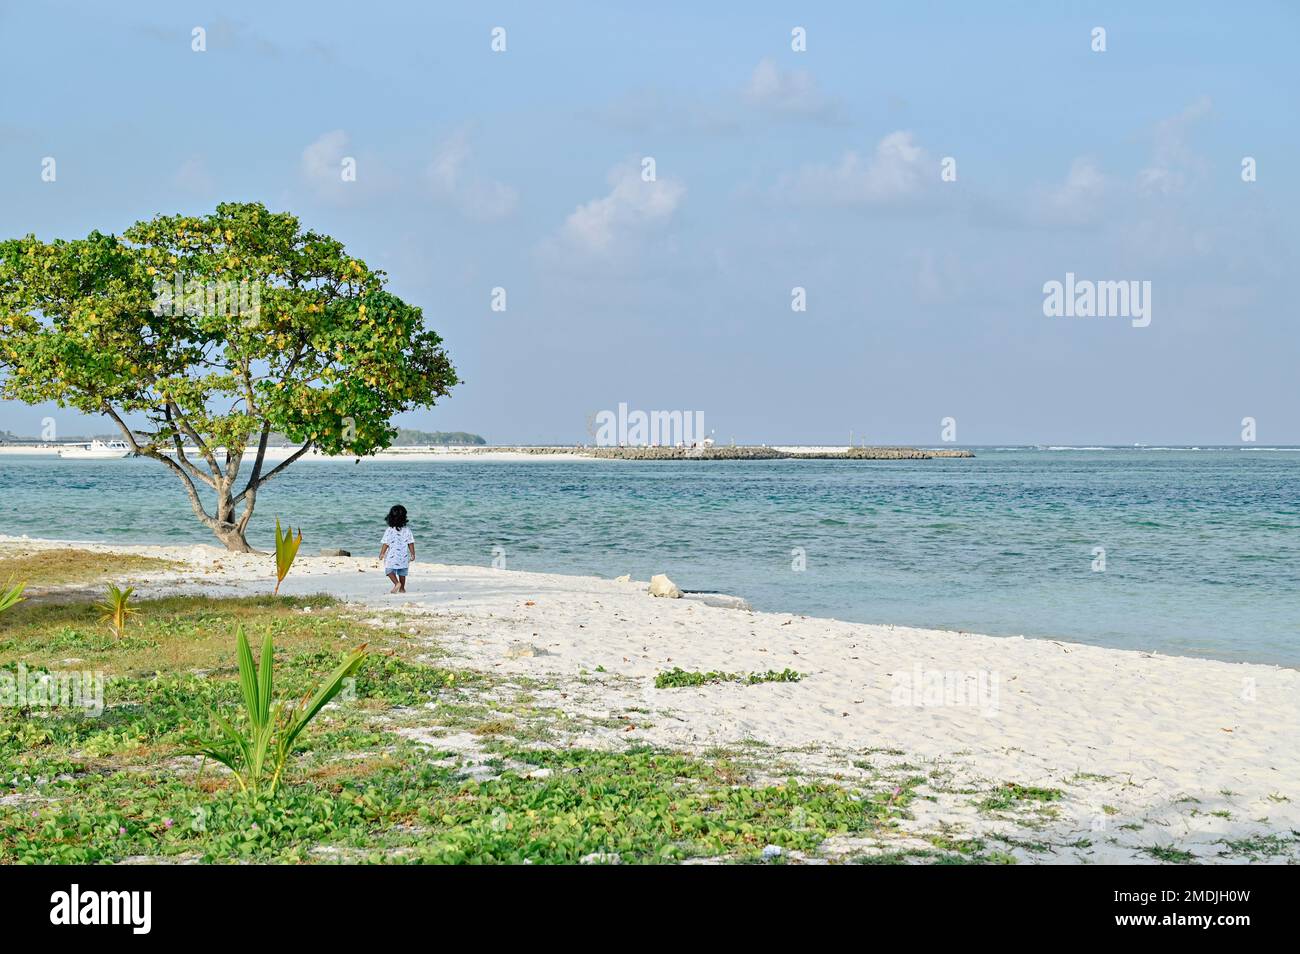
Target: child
(398, 549)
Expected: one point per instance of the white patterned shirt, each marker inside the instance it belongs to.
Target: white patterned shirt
(398, 556)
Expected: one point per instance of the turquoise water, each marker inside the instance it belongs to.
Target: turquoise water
(1202, 547)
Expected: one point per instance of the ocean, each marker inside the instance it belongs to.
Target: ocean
(1201, 547)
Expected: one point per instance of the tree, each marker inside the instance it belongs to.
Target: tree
(216, 330)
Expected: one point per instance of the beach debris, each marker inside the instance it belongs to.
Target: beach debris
(525, 651)
(660, 585)
(625, 578)
(336, 553)
(601, 858)
(772, 852)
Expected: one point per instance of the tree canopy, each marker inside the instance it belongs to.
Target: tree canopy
(216, 330)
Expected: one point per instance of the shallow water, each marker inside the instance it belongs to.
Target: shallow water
(1202, 548)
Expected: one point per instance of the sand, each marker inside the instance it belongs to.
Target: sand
(1151, 752)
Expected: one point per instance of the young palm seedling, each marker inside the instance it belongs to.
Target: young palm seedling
(258, 752)
(115, 609)
(11, 594)
(286, 549)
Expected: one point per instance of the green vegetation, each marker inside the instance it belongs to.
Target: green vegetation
(1169, 854)
(1010, 795)
(11, 594)
(407, 437)
(100, 788)
(286, 551)
(678, 678)
(61, 567)
(273, 727)
(216, 330)
(115, 609)
(1262, 846)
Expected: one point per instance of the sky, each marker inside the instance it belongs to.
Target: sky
(774, 169)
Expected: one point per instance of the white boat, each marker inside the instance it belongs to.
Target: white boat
(96, 450)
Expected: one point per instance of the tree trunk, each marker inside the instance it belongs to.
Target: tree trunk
(233, 538)
(228, 530)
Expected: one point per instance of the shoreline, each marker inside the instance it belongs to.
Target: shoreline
(1146, 750)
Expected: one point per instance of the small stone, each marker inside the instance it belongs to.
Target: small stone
(525, 650)
(601, 858)
(478, 773)
(660, 585)
(772, 852)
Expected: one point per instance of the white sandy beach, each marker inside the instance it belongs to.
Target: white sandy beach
(1150, 751)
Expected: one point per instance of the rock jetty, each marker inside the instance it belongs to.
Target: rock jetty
(733, 453)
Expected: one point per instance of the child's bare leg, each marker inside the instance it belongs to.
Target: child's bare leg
(393, 578)
(401, 583)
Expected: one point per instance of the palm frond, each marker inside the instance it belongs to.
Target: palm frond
(286, 551)
(11, 594)
(271, 729)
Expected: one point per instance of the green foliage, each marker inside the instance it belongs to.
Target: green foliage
(558, 807)
(264, 748)
(115, 609)
(327, 356)
(286, 551)
(11, 594)
(1010, 794)
(678, 678)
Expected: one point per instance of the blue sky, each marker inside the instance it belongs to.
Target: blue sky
(775, 169)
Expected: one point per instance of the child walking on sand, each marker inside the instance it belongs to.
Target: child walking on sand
(398, 549)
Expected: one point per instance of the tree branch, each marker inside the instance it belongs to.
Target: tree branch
(252, 486)
(149, 451)
(194, 436)
(180, 453)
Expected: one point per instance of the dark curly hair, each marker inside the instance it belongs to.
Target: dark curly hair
(397, 517)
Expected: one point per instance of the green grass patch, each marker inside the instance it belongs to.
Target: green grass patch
(174, 634)
(678, 678)
(1169, 854)
(44, 569)
(1011, 795)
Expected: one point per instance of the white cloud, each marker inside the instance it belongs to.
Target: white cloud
(1172, 160)
(608, 226)
(792, 92)
(897, 170)
(322, 160)
(1075, 202)
(452, 181)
